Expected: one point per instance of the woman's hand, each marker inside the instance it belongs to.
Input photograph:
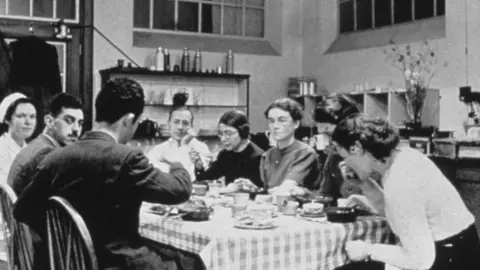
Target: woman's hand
(245, 184)
(348, 174)
(361, 202)
(358, 250)
(195, 159)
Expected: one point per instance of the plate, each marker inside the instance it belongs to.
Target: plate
(252, 227)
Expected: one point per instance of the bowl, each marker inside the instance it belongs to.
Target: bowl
(313, 208)
(341, 214)
(200, 189)
(253, 193)
(198, 214)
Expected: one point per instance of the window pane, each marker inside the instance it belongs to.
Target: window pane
(257, 3)
(19, 7)
(141, 13)
(383, 13)
(346, 16)
(211, 18)
(3, 6)
(254, 22)
(402, 10)
(66, 9)
(187, 16)
(440, 7)
(43, 8)
(232, 21)
(163, 14)
(235, 2)
(423, 9)
(364, 14)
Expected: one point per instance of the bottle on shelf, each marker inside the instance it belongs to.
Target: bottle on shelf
(185, 61)
(229, 64)
(166, 61)
(159, 60)
(198, 61)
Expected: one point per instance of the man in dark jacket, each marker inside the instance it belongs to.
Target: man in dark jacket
(106, 182)
(64, 122)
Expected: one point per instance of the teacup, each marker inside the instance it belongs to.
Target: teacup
(241, 198)
(290, 208)
(280, 200)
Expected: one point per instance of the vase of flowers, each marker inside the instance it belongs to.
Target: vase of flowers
(418, 68)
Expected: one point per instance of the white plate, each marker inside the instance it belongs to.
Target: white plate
(251, 227)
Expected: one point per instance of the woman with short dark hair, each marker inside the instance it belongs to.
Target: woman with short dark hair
(434, 227)
(240, 158)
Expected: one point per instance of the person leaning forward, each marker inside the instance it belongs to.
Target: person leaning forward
(106, 182)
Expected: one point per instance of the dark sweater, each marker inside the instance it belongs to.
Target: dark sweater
(233, 165)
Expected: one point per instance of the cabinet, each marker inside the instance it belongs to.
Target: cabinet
(210, 95)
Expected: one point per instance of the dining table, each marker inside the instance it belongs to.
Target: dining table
(294, 242)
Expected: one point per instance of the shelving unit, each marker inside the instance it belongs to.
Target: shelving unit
(393, 106)
(388, 104)
(210, 95)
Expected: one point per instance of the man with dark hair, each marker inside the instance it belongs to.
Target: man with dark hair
(106, 182)
(64, 121)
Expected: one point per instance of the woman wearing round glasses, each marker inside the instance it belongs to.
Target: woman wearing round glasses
(240, 158)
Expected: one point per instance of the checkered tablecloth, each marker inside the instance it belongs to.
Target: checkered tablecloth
(294, 244)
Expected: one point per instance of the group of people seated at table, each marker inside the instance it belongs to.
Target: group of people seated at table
(106, 181)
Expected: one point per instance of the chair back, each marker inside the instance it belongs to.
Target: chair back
(17, 237)
(70, 245)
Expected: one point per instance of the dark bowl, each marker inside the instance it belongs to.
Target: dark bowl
(253, 193)
(341, 214)
(199, 214)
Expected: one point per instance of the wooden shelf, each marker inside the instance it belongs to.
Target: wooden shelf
(146, 71)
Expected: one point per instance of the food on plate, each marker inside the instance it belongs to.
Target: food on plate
(192, 205)
(313, 208)
(158, 208)
(254, 220)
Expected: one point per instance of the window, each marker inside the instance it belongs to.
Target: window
(62, 59)
(245, 18)
(357, 15)
(42, 10)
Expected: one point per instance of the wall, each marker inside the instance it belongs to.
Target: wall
(269, 74)
(339, 72)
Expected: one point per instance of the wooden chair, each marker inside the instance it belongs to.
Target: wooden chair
(69, 242)
(19, 247)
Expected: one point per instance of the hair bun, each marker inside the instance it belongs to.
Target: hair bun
(180, 99)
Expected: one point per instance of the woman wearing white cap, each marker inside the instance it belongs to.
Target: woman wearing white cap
(18, 118)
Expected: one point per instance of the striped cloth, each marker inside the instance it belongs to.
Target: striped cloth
(293, 244)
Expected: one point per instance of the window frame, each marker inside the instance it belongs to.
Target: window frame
(199, 32)
(42, 19)
(392, 14)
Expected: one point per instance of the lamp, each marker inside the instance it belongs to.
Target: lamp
(62, 30)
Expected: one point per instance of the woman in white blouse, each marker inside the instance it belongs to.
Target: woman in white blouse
(434, 227)
(18, 118)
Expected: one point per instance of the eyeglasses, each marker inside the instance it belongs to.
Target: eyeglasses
(227, 134)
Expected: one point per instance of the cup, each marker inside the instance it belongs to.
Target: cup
(322, 140)
(290, 208)
(281, 199)
(241, 198)
(214, 189)
(199, 190)
(238, 209)
(271, 140)
(342, 202)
